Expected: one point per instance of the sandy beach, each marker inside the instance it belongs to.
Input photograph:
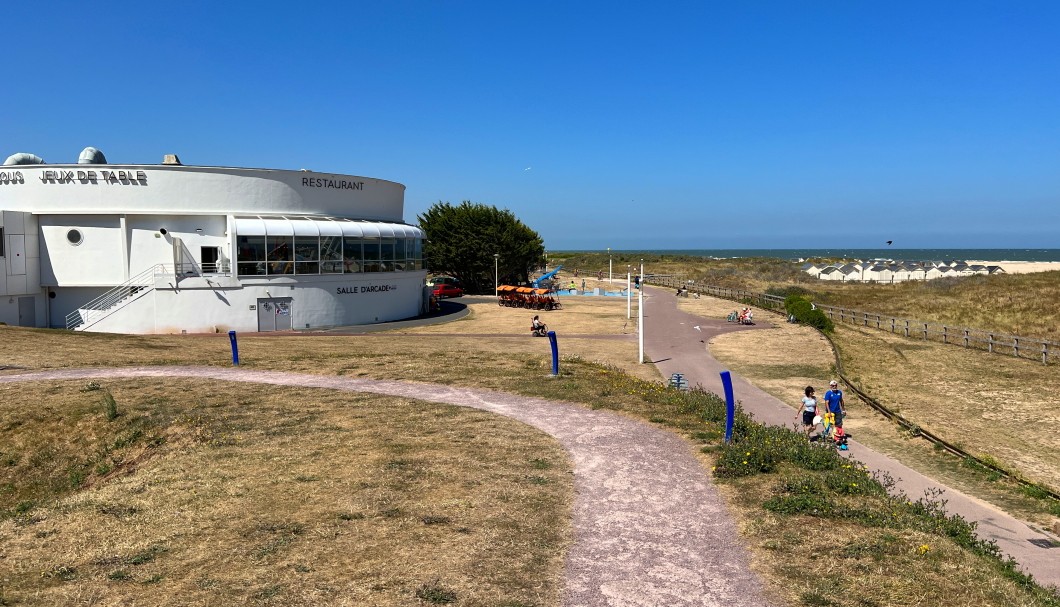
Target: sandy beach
(1021, 267)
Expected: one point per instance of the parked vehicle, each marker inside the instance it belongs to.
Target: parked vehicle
(447, 290)
(434, 281)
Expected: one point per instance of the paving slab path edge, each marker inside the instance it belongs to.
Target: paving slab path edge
(649, 526)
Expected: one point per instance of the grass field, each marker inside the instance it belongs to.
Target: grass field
(195, 493)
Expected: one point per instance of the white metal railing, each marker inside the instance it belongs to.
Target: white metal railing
(139, 283)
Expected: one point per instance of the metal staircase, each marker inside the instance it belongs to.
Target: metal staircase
(113, 299)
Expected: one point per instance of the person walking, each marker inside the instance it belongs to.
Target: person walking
(808, 412)
(834, 399)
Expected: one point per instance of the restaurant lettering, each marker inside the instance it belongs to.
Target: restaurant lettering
(365, 289)
(338, 184)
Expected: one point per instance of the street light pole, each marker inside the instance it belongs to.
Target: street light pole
(609, 273)
(640, 314)
(496, 284)
(629, 291)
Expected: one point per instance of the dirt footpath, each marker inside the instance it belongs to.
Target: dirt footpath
(649, 526)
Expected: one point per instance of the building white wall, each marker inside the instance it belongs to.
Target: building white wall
(98, 260)
(187, 190)
(198, 307)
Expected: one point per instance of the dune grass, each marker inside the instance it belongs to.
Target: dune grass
(201, 492)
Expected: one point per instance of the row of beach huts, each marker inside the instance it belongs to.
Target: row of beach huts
(888, 270)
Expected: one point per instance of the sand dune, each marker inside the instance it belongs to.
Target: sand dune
(1021, 267)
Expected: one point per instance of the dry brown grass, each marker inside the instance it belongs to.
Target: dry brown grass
(991, 405)
(1018, 304)
(823, 561)
(275, 496)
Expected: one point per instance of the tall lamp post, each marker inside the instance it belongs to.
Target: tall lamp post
(496, 284)
(640, 314)
(609, 273)
(629, 291)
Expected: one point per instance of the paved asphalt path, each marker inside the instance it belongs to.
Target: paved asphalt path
(673, 341)
(649, 526)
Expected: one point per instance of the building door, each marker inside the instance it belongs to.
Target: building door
(208, 259)
(27, 312)
(274, 314)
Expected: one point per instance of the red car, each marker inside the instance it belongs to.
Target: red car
(447, 290)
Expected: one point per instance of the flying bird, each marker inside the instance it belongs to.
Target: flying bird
(889, 241)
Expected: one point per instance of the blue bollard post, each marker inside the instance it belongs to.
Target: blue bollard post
(555, 352)
(235, 348)
(730, 405)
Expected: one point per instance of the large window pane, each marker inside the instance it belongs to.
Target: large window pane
(386, 254)
(399, 255)
(352, 256)
(371, 255)
(280, 254)
(307, 254)
(250, 255)
(330, 255)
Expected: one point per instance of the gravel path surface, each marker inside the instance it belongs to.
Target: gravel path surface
(649, 526)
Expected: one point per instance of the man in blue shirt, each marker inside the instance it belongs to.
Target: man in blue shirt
(833, 398)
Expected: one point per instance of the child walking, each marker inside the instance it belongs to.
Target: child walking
(809, 411)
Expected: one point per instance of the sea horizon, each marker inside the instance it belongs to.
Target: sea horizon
(1021, 254)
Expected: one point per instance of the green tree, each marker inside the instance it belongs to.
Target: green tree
(462, 240)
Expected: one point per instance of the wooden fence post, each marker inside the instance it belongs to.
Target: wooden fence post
(892, 325)
(989, 342)
(1016, 347)
(865, 319)
(945, 335)
(966, 338)
(1045, 352)
(925, 331)
(907, 328)
(877, 321)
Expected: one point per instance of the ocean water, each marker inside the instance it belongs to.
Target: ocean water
(888, 253)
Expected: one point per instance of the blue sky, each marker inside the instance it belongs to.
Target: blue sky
(600, 124)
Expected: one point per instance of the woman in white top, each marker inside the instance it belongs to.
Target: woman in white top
(809, 411)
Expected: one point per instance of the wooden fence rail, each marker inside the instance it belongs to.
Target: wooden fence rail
(1012, 345)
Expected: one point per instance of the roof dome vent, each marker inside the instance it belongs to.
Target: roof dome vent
(23, 158)
(91, 155)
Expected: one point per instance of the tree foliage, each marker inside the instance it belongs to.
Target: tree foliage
(462, 240)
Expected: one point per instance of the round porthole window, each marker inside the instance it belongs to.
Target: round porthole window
(75, 237)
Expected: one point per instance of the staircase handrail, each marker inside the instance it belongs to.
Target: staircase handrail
(117, 294)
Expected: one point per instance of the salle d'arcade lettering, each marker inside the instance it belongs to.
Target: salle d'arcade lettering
(365, 289)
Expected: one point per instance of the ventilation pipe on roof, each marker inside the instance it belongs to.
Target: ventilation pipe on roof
(91, 155)
(23, 158)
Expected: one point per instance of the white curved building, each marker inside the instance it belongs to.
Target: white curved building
(170, 248)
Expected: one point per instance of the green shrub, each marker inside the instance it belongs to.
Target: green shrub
(788, 291)
(804, 312)
(110, 406)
